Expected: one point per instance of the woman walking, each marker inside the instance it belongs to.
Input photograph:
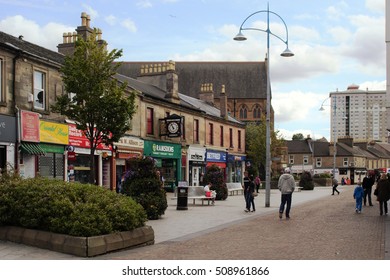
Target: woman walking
(383, 193)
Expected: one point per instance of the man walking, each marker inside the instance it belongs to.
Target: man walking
(368, 182)
(286, 185)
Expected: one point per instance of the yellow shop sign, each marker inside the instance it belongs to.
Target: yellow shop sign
(51, 132)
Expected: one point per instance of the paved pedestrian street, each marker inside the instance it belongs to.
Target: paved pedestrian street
(322, 227)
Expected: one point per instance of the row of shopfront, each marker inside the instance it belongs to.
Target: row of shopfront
(61, 151)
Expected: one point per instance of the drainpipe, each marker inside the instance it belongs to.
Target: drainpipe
(18, 136)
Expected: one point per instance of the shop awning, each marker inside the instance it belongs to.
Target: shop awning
(32, 148)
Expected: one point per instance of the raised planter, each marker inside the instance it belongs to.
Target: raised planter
(79, 246)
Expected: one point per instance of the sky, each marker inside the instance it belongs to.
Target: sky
(336, 43)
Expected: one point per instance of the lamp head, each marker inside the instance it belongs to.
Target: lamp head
(322, 108)
(239, 37)
(287, 53)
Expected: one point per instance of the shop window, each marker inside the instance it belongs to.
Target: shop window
(149, 121)
(51, 166)
(39, 90)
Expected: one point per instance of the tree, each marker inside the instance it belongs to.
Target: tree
(96, 101)
(256, 141)
(298, 136)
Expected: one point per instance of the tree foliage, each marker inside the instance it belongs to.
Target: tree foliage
(97, 102)
(256, 143)
(298, 136)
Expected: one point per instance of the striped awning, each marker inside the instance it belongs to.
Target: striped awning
(32, 148)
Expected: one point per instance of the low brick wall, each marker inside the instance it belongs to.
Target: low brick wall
(79, 246)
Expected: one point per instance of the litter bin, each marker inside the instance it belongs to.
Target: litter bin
(182, 198)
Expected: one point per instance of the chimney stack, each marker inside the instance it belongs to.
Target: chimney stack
(164, 77)
(223, 105)
(207, 93)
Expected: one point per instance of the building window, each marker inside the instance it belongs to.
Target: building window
(211, 134)
(231, 137)
(149, 121)
(239, 139)
(345, 162)
(221, 135)
(243, 112)
(39, 90)
(257, 112)
(306, 159)
(196, 131)
(318, 162)
(291, 159)
(1, 80)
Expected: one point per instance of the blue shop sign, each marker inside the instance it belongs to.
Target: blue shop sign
(233, 158)
(216, 156)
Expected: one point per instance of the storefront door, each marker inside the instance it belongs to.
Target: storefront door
(196, 171)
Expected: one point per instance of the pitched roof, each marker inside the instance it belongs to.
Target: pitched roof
(185, 101)
(241, 79)
(18, 44)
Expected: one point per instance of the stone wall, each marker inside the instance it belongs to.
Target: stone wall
(79, 246)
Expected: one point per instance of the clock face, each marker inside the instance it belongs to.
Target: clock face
(173, 127)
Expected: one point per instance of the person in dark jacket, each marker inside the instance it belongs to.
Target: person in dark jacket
(383, 193)
(250, 200)
(368, 182)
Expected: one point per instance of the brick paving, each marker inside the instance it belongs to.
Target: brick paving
(322, 227)
(325, 229)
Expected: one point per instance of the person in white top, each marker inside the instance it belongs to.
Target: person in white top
(286, 185)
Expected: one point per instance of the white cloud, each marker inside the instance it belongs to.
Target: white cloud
(111, 20)
(376, 5)
(144, 4)
(48, 36)
(91, 12)
(129, 25)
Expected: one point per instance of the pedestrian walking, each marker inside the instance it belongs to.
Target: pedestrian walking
(382, 192)
(257, 183)
(246, 187)
(250, 200)
(335, 184)
(358, 195)
(368, 182)
(286, 185)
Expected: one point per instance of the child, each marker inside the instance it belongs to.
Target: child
(358, 195)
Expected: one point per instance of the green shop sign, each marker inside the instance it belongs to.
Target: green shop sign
(162, 149)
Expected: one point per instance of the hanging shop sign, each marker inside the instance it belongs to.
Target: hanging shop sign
(29, 126)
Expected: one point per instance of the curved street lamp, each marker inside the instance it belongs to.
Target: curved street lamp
(285, 53)
(334, 131)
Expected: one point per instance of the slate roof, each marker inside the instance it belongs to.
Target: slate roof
(245, 80)
(185, 101)
(16, 44)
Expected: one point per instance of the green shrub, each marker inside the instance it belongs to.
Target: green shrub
(215, 176)
(306, 181)
(141, 182)
(68, 208)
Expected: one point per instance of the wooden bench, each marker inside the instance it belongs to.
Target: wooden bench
(234, 188)
(198, 193)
